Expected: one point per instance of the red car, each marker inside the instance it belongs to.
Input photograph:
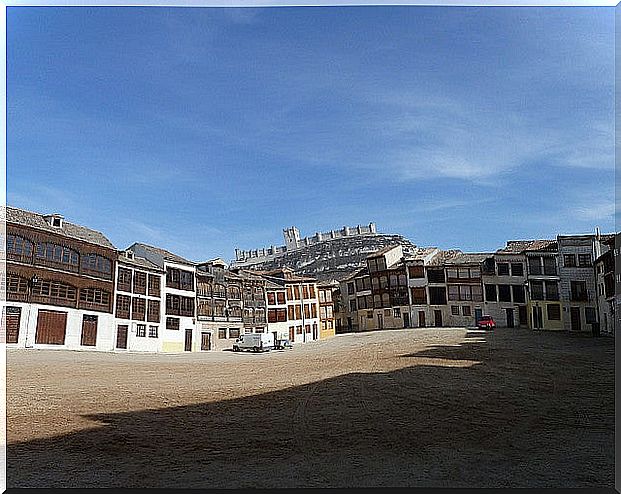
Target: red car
(486, 322)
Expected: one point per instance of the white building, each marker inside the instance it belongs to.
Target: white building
(179, 332)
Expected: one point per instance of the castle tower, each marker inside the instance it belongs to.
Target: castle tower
(292, 238)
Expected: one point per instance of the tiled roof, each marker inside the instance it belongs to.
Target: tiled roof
(139, 262)
(518, 246)
(419, 253)
(168, 256)
(444, 256)
(70, 230)
(353, 274)
(383, 251)
(468, 258)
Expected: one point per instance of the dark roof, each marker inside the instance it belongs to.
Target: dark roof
(358, 272)
(444, 256)
(139, 262)
(168, 256)
(518, 246)
(383, 251)
(70, 230)
(419, 253)
(468, 258)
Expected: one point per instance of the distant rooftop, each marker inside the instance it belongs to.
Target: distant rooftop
(518, 246)
(168, 256)
(70, 230)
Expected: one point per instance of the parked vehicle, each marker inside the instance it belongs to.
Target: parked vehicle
(256, 342)
(282, 344)
(486, 322)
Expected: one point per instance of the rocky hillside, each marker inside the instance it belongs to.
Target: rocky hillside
(335, 258)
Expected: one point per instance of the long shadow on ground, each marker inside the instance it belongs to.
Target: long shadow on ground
(471, 416)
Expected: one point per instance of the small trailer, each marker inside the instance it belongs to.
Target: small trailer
(256, 342)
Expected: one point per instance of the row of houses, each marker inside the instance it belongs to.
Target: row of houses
(565, 283)
(67, 286)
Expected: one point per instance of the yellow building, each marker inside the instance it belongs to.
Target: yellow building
(326, 308)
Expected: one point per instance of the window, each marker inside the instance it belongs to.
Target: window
(569, 260)
(186, 307)
(551, 290)
(298, 312)
(394, 280)
(311, 291)
(490, 293)
(281, 315)
(477, 293)
(172, 323)
(549, 265)
(289, 293)
(222, 334)
(18, 248)
(451, 273)
(455, 310)
(204, 308)
(153, 311)
(362, 303)
(307, 327)
(154, 285)
(385, 300)
(234, 332)
(584, 260)
(141, 330)
(61, 292)
(290, 312)
(435, 275)
(280, 297)
(517, 269)
(204, 289)
(298, 330)
(235, 293)
(579, 291)
(534, 265)
(140, 283)
(56, 254)
(296, 291)
(172, 278)
(271, 298)
(383, 280)
(152, 331)
(352, 305)
(437, 295)
(475, 273)
(503, 268)
(358, 288)
(93, 264)
(16, 284)
(322, 294)
(504, 293)
(271, 315)
(94, 296)
(518, 293)
(590, 315)
(536, 290)
(554, 312)
(305, 291)
(307, 311)
(396, 312)
(419, 295)
(124, 281)
(314, 310)
(122, 306)
(328, 296)
(138, 308)
(465, 310)
(416, 271)
(186, 280)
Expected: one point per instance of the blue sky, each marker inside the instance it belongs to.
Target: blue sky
(204, 129)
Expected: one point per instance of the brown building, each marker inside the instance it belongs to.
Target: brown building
(59, 283)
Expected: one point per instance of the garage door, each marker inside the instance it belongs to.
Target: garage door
(12, 318)
(51, 327)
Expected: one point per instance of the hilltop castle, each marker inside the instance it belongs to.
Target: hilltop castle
(293, 242)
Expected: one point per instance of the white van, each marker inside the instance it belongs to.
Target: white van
(257, 342)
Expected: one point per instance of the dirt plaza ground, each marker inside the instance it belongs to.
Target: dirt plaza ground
(432, 407)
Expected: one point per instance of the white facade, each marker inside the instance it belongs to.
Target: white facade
(29, 315)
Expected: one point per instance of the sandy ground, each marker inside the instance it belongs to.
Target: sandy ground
(436, 407)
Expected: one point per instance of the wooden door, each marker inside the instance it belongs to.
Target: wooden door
(205, 341)
(12, 318)
(510, 319)
(188, 340)
(421, 319)
(380, 321)
(291, 334)
(121, 336)
(89, 331)
(522, 315)
(575, 319)
(478, 313)
(437, 314)
(51, 327)
(406, 320)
